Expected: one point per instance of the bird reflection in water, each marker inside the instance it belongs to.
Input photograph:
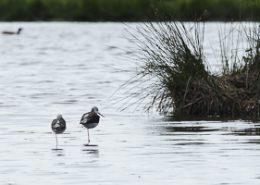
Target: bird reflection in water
(59, 152)
(91, 150)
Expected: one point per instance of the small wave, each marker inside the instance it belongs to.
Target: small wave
(66, 102)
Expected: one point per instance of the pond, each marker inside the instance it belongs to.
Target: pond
(67, 68)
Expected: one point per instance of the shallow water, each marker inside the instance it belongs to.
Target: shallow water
(67, 68)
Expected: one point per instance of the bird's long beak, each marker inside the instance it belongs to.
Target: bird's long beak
(100, 114)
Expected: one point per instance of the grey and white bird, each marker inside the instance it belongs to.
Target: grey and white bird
(90, 119)
(58, 126)
(12, 32)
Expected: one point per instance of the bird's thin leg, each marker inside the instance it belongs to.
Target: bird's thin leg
(88, 137)
(56, 141)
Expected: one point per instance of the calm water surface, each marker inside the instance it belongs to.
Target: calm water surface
(67, 68)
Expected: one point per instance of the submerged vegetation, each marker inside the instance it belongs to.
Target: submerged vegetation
(172, 58)
(128, 10)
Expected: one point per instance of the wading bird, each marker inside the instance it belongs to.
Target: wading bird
(12, 33)
(58, 126)
(90, 119)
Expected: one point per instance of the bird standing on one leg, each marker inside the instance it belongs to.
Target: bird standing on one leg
(90, 119)
(58, 126)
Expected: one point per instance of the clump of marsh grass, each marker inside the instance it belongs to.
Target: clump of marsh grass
(174, 75)
(170, 60)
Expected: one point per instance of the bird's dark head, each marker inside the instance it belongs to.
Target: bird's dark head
(59, 116)
(94, 109)
(19, 30)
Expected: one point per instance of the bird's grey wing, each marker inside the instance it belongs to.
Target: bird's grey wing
(83, 119)
(63, 122)
(53, 122)
(55, 125)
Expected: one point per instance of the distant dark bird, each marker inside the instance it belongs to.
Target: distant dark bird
(12, 33)
(90, 119)
(58, 126)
